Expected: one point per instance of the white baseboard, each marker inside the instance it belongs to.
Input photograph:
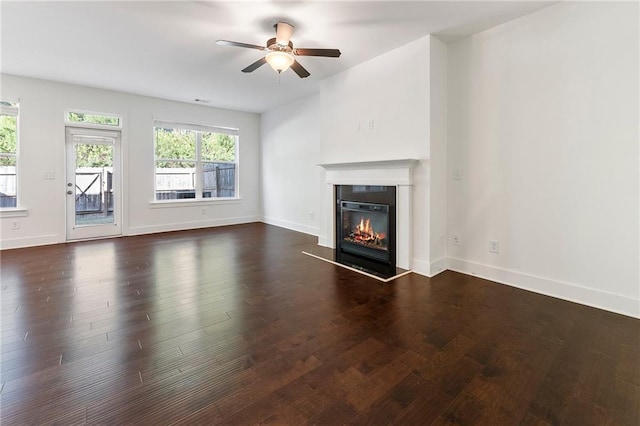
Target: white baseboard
(429, 269)
(421, 267)
(12, 243)
(6, 243)
(183, 226)
(438, 266)
(562, 290)
(324, 241)
(305, 229)
(43, 240)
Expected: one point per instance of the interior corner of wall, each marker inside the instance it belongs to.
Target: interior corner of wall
(323, 241)
(420, 266)
(439, 265)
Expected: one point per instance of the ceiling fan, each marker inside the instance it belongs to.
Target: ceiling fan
(281, 53)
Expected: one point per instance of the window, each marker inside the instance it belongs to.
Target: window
(8, 154)
(195, 162)
(101, 120)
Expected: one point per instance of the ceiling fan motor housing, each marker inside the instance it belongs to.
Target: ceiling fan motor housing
(273, 45)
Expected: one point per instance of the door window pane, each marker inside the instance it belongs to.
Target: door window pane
(93, 184)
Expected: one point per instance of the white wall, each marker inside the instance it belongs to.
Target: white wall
(393, 91)
(437, 186)
(42, 147)
(292, 181)
(543, 123)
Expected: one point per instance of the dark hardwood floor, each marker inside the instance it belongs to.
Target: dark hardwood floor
(234, 325)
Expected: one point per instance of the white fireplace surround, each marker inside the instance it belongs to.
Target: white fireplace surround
(398, 173)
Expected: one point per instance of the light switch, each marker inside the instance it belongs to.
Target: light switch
(49, 175)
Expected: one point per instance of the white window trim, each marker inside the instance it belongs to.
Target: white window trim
(9, 110)
(161, 204)
(194, 126)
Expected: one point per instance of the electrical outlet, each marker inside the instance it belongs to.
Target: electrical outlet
(494, 246)
(15, 225)
(457, 174)
(204, 212)
(456, 240)
(310, 215)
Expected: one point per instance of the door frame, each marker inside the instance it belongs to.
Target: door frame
(75, 232)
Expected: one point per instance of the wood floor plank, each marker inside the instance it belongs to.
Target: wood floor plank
(234, 325)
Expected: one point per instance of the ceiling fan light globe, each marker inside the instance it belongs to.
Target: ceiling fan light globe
(280, 61)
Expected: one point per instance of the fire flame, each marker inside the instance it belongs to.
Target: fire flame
(365, 232)
(365, 227)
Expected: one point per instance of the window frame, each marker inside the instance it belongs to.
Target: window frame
(13, 110)
(198, 161)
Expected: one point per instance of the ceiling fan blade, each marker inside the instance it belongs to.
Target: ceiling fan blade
(283, 33)
(254, 66)
(238, 44)
(300, 70)
(329, 53)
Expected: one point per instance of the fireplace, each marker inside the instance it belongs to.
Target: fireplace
(366, 227)
(396, 173)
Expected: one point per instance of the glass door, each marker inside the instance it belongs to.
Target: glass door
(93, 183)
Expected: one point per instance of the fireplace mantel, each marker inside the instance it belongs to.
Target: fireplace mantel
(388, 164)
(397, 173)
(384, 172)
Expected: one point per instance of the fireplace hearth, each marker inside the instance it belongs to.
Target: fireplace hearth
(366, 227)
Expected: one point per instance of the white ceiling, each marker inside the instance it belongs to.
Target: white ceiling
(167, 49)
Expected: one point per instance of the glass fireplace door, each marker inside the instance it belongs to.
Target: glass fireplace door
(365, 229)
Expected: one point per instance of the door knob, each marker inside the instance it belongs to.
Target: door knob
(69, 192)
(69, 184)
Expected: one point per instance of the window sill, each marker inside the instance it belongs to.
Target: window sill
(13, 212)
(189, 203)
